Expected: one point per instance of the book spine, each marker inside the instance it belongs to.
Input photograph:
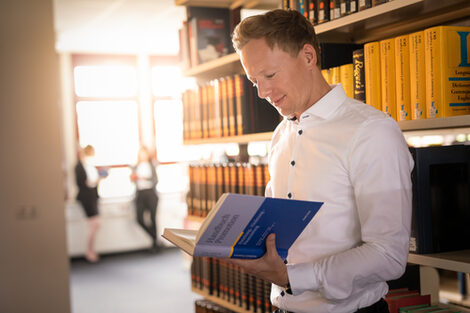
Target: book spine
(326, 75)
(335, 75)
(323, 11)
(402, 76)
(372, 74)
(241, 177)
(224, 104)
(231, 107)
(433, 73)
(205, 190)
(312, 12)
(259, 180)
(249, 179)
(364, 4)
(359, 88)
(335, 9)
(238, 95)
(387, 71)
(346, 79)
(447, 71)
(417, 76)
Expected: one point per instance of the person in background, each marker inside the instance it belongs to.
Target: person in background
(87, 178)
(145, 177)
(333, 149)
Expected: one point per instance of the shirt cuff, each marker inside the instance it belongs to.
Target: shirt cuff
(302, 277)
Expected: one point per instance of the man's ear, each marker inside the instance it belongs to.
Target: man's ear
(309, 54)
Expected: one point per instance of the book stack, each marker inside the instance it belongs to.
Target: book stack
(205, 35)
(224, 107)
(230, 283)
(207, 182)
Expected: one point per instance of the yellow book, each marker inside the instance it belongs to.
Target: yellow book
(335, 75)
(387, 73)
(346, 78)
(417, 76)
(402, 76)
(326, 75)
(372, 74)
(447, 71)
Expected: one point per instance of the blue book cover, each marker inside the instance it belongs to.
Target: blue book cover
(238, 225)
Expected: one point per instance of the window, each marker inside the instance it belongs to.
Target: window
(107, 115)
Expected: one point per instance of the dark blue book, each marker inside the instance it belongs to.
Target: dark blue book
(238, 225)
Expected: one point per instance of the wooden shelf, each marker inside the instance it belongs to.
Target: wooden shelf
(436, 123)
(458, 261)
(224, 66)
(232, 4)
(392, 18)
(221, 302)
(234, 139)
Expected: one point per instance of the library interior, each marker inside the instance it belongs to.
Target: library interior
(142, 114)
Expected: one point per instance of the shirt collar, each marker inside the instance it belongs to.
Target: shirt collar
(328, 104)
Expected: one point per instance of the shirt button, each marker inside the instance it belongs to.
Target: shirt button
(292, 163)
(300, 132)
(289, 195)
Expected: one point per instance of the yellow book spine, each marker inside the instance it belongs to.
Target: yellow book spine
(372, 74)
(447, 71)
(417, 76)
(346, 78)
(335, 75)
(402, 76)
(326, 75)
(387, 71)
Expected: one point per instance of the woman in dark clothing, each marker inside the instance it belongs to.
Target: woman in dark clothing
(87, 178)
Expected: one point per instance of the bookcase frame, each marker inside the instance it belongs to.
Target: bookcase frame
(390, 19)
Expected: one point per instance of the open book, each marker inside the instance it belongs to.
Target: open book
(237, 226)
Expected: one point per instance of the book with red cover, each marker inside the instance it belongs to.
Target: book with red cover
(396, 302)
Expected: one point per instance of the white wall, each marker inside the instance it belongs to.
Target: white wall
(34, 268)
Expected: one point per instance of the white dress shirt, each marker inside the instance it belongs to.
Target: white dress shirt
(353, 158)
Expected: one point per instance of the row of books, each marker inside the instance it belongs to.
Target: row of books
(321, 11)
(207, 182)
(344, 75)
(207, 306)
(232, 284)
(425, 74)
(227, 106)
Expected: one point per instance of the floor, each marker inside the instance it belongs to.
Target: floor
(138, 282)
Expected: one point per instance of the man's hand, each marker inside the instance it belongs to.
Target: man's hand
(269, 267)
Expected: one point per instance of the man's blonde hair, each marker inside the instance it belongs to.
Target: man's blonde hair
(287, 29)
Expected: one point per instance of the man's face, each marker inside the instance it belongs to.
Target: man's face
(280, 78)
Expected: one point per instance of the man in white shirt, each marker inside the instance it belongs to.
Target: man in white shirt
(334, 149)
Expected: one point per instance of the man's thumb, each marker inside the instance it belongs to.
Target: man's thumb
(271, 244)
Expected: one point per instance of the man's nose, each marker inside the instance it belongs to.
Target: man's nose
(264, 90)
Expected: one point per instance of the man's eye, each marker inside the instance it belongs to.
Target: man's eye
(270, 75)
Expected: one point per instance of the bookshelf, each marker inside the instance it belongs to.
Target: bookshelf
(458, 261)
(390, 19)
(226, 65)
